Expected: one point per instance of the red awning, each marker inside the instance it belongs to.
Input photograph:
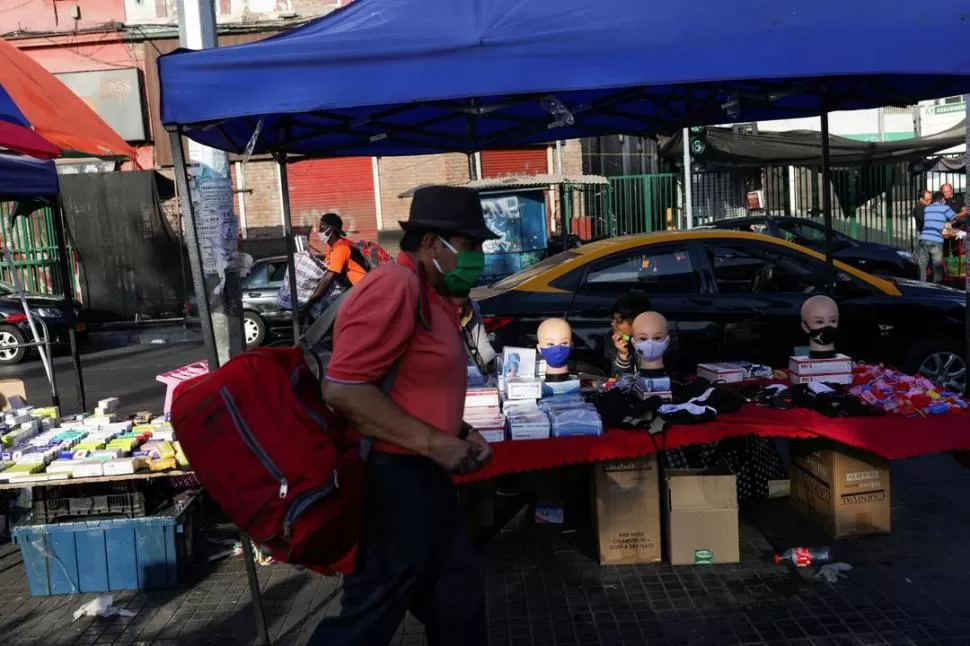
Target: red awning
(54, 111)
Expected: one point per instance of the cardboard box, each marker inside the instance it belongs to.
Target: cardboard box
(843, 491)
(728, 373)
(805, 366)
(11, 388)
(701, 507)
(626, 509)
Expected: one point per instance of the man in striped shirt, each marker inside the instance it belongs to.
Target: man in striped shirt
(930, 252)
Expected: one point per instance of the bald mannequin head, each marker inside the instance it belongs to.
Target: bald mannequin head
(820, 320)
(651, 338)
(555, 341)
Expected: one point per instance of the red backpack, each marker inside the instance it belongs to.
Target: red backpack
(282, 465)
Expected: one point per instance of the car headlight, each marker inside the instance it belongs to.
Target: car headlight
(48, 313)
(908, 255)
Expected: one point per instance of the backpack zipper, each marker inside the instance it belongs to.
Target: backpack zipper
(250, 440)
(304, 501)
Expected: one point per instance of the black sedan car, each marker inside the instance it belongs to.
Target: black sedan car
(729, 296)
(50, 313)
(868, 256)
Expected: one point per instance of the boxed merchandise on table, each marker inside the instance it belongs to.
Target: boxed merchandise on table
(571, 416)
(701, 506)
(834, 370)
(526, 420)
(626, 510)
(733, 372)
(844, 491)
(484, 413)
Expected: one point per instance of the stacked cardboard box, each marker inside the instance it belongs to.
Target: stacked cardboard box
(843, 491)
(701, 509)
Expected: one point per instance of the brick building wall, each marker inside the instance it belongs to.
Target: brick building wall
(262, 199)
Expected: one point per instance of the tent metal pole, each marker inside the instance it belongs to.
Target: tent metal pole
(688, 181)
(60, 233)
(187, 211)
(966, 248)
(290, 242)
(827, 202)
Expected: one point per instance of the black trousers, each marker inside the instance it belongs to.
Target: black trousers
(416, 555)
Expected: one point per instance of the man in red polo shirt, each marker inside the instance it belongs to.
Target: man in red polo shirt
(415, 552)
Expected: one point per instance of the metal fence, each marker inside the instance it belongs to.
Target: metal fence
(33, 245)
(628, 204)
(869, 203)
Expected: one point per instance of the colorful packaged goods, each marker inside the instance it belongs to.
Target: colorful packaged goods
(901, 394)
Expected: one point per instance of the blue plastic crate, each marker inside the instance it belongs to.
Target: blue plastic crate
(107, 555)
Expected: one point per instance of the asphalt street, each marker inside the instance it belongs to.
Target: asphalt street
(127, 373)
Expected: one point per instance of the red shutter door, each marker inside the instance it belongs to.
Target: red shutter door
(344, 186)
(524, 161)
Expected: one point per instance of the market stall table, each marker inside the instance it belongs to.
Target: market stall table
(890, 436)
(63, 482)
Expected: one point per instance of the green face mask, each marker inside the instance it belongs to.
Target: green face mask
(460, 280)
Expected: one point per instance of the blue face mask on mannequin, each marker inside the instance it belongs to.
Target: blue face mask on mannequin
(556, 356)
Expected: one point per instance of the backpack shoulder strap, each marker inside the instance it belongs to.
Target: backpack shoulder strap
(319, 328)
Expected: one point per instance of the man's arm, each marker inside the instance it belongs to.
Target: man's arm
(376, 416)
(321, 288)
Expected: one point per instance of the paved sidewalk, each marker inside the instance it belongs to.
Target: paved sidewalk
(544, 590)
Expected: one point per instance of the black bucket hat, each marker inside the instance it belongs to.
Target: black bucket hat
(449, 209)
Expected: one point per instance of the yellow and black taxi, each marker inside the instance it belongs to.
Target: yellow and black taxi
(729, 296)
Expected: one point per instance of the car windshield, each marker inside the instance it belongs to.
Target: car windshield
(516, 279)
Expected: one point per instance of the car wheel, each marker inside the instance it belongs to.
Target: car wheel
(941, 361)
(11, 336)
(254, 329)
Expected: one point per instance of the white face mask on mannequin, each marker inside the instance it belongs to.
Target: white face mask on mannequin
(652, 349)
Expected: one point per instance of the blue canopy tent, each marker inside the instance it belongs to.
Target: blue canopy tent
(25, 178)
(405, 77)
(409, 77)
(32, 183)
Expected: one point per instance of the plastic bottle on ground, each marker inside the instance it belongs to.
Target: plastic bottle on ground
(805, 556)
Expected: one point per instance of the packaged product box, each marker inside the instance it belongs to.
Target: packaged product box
(728, 373)
(843, 491)
(701, 506)
(843, 378)
(626, 509)
(805, 366)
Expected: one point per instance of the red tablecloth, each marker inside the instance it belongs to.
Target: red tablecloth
(890, 436)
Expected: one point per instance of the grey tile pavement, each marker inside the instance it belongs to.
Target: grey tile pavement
(545, 590)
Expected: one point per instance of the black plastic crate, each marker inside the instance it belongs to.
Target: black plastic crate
(56, 509)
